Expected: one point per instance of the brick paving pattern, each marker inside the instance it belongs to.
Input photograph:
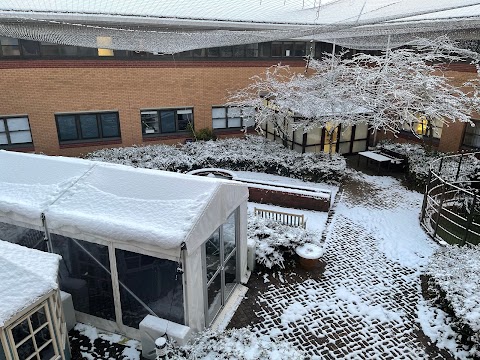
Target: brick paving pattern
(364, 305)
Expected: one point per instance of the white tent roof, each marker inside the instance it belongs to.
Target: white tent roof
(116, 202)
(171, 26)
(25, 276)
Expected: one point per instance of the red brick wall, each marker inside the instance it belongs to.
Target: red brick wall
(41, 88)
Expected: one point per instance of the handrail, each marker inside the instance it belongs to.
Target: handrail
(445, 196)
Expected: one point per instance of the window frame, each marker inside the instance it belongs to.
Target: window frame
(49, 324)
(159, 119)
(225, 108)
(80, 138)
(473, 135)
(7, 132)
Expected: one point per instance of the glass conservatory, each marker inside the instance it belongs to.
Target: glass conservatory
(133, 242)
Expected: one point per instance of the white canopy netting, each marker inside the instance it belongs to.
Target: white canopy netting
(172, 26)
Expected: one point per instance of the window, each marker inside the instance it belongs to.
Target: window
(9, 46)
(33, 336)
(289, 49)
(472, 135)
(168, 121)
(14, 131)
(232, 117)
(421, 127)
(103, 43)
(88, 126)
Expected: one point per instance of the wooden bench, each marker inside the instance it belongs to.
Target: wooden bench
(380, 158)
(282, 217)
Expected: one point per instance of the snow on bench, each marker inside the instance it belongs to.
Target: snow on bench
(282, 217)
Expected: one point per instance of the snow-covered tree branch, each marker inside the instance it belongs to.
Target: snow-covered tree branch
(391, 92)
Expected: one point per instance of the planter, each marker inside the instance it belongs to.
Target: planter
(309, 257)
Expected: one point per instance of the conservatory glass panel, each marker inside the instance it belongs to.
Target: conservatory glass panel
(230, 274)
(229, 234)
(344, 148)
(214, 297)
(361, 131)
(23, 236)
(85, 274)
(346, 133)
(212, 248)
(314, 137)
(148, 282)
(359, 145)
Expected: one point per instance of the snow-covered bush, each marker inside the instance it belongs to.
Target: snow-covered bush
(254, 153)
(419, 161)
(241, 344)
(274, 240)
(455, 282)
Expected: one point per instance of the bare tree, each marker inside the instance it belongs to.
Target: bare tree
(390, 92)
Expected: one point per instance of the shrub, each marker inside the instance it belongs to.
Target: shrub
(274, 240)
(254, 153)
(241, 344)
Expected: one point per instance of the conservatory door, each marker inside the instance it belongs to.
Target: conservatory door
(220, 265)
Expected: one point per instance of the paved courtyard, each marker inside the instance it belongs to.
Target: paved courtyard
(365, 304)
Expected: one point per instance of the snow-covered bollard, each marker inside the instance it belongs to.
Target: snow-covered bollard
(309, 255)
(161, 348)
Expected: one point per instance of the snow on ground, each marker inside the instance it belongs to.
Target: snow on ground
(368, 303)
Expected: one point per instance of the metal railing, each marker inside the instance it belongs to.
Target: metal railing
(282, 217)
(451, 204)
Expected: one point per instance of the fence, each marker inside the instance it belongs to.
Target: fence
(451, 204)
(282, 217)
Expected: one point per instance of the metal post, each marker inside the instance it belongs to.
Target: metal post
(424, 204)
(469, 219)
(439, 210)
(440, 168)
(459, 166)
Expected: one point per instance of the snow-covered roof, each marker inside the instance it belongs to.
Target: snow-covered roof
(171, 26)
(115, 202)
(25, 276)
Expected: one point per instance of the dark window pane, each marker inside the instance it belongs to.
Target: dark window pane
(300, 49)
(48, 49)
(66, 50)
(8, 41)
(251, 50)
(67, 127)
(214, 297)
(21, 331)
(84, 273)
(185, 117)
(42, 336)
(26, 349)
(277, 49)
(225, 51)
(213, 52)
(109, 123)
(83, 51)
(212, 252)
(288, 49)
(38, 319)
(168, 121)
(184, 54)
(22, 236)
(239, 51)
(199, 52)
(89, 126)
(150, 123)
(230, 274)
(30, 48)
(229, 235)
(10, 51)
(264, 49)
(47, 353)
(155, 283)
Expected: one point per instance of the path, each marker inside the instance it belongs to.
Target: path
(365, 304)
